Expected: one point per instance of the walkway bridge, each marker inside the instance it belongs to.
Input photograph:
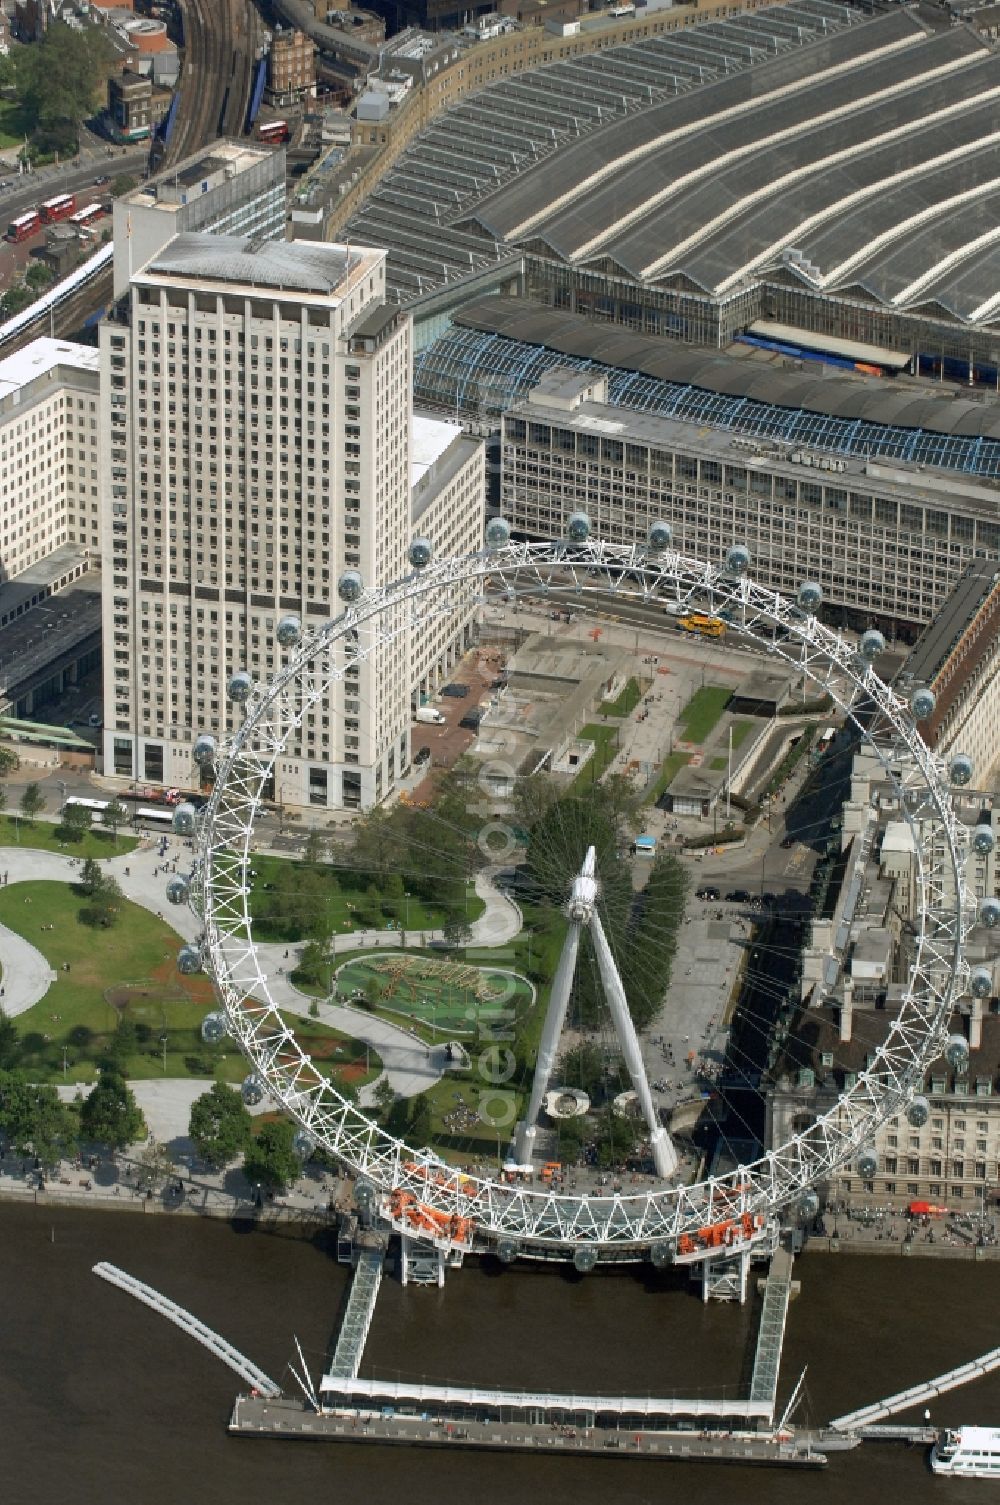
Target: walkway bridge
(771, 1334)
(865, 1418)
(190, 1325)
(358, 1316)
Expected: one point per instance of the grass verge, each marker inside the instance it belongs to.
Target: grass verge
(702, 712)
(43, 836)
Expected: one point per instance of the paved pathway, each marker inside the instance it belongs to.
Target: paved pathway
(410, 1066)
(27, 976)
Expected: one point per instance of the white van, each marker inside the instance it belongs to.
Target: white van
(430, 716)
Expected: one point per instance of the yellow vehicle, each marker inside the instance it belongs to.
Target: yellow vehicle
(705, 627)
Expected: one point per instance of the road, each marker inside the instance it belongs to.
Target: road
(30, 191)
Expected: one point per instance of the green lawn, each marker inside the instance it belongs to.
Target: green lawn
(463, 1127)
(741, 731)
(718, 764)
(702, 712)
(672, 765)
(625, 703)
(128, 972)
(606, 740)
(43, 836)
(338, 901)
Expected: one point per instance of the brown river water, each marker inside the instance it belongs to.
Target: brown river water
(103, 1401)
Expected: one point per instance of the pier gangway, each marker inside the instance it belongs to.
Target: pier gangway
(771, 1335)
(357, 1315)
(918, 1395)
(189, 1324)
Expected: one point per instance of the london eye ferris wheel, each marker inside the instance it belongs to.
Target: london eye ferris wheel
(664, 1219)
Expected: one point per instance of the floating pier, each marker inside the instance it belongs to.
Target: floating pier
(412, 1426)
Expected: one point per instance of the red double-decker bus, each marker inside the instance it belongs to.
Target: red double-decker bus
(84, 218)
(273, 132)
(24, 225)
(58, 208)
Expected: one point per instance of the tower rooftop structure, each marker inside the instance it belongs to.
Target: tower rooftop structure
(320, 270)
(226, 188)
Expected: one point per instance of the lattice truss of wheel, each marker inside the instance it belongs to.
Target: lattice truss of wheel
(485, 1211)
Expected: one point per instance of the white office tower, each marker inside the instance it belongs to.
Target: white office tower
(256, 402)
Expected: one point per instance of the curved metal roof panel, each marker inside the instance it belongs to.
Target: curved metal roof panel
(818, 218)
(752, 188)
(712, 170)
(967, 277)
(535, 190)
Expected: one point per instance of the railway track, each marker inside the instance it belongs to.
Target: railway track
(220, 38)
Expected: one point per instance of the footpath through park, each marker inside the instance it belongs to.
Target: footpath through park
(410, 1066)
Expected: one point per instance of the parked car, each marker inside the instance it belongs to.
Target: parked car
(421, 755)
(708, 893)
(738, 896)
(457, 692)
(100, 182)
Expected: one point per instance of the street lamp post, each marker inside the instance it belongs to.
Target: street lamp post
(163, 1041)
(729, 774)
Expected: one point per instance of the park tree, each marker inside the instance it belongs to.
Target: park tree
(618, 1138)
(219, 1125)
(571, 1135)
(155, 1164)
(123, 1045)
(91, 877)
(104, 903)
(75, 823)
(270, 1159)
(34, 1120)
(114, 817)
(384, 1097)
(9, 761)
(314, 849)
(456, 930)
(9, 1042)
(313, 966)
(15, 299)
(58, 80)
(32, 803)
(110, 1115)
(122, 184)
(584, 1066)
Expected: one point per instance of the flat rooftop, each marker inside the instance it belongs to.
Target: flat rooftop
(661, 431)
(430, 438)
(936, 642)
(219, 160)
(309, 267)
(41, 357)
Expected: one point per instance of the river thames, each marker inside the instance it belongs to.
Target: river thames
(103, 1401)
